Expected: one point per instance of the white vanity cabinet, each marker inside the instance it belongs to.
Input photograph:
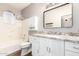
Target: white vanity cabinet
(51, 47)
(47, 47)
(54, 46)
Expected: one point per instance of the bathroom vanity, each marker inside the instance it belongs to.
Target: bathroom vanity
(54, 45)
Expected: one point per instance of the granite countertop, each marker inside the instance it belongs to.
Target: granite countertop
(59, 37)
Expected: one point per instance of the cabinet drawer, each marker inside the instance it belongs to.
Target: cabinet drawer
(72, 46)
(70, 53)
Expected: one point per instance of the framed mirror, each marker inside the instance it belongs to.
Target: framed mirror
(58, 16)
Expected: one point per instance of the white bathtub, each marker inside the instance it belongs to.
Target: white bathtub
(9, 47)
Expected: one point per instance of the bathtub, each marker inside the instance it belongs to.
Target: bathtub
(9, 47)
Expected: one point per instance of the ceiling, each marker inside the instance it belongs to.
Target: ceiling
(18, 6)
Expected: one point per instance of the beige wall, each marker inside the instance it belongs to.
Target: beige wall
(10, 32)
(33, 9)
(36, 9)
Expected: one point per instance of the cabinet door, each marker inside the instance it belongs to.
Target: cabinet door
(43, 47)
(35, 46)
(57, 47)
(33, 23)
(46, 47)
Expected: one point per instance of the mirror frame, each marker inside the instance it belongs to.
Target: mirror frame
(61, 20)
